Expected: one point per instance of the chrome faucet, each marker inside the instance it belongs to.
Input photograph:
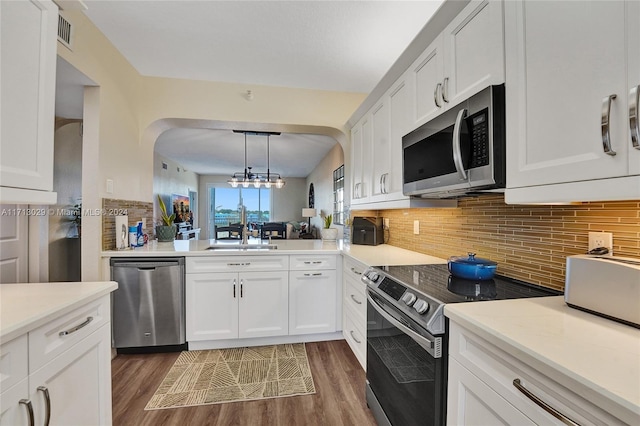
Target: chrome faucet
(243, 222)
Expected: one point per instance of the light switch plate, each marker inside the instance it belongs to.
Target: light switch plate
(416, 227)
(109, 186)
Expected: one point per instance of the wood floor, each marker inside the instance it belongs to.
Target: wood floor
(339, 397)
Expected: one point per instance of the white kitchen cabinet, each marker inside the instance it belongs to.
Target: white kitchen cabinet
(381, 145)
(312, 301)
(562, 73)
(232, 305)
(28, 77)
(361, 161)
(482, 388)
(354, 313)
(465, 58)
(69, 362)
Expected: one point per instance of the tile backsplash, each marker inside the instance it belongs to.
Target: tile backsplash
(529, 242)
(136, 210)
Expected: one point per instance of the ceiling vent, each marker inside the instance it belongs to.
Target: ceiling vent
(64, 31)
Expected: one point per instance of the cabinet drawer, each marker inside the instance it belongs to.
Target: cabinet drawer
(306, 262)
(52, 339)
(355, 298)
(353, 268)
(13, 362)
(355, 337)
(236, 263)
(498, 370)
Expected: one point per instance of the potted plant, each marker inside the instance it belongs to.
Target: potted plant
(329, 233)
(166, 231)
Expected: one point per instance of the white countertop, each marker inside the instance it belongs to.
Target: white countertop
(24, 307)
(596, 358)
(386, 255)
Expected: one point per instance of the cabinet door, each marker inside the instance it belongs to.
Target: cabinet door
(356, 162)
(401, 123)
(78, 383)
(12, 412)
(264, 309)
(474, 51)
(562, 60)
(381, 146)
(212, 306)
(633, 74)
(28, 79)
(312, 301)
(427, 72)
(471, 402)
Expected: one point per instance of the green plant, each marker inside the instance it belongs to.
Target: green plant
(166, 219)
(327, 221)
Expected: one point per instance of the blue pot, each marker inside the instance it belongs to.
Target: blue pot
(472, 268)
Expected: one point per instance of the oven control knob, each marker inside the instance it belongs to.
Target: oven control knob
(421, 306)
(409, 298)
(373, 276)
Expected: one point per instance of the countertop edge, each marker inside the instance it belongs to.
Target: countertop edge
(43, 317)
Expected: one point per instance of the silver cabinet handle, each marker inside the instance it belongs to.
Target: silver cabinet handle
(634, 125)
(76, 328)
(234, 264)
(606, 113)
(356, 300)
(29, 407)
(234, 288)
(241, 288)
(315, 262)
(355, 271)
(381, 183)
(546, 407)
(47, 402)
(435, 95)
(315, 274)
(354, 337)
(457, 154)
(445, 90)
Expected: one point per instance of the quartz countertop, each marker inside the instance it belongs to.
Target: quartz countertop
(25, 307)
(596, 358)
(386, 255)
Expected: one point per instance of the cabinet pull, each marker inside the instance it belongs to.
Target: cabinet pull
(234, 288)
(241, 288)
(47, 403)
(606, 114)
(234, 264)
(76, 328)
(445, 90)
(315, 262)
(546, 407)
(435, 95)
(457, 153)
(356, 300)
(29, 406)
(355, 271)
(354, 337)
(315, 274)
(634, 126)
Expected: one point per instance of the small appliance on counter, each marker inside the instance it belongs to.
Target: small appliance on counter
(604, 285)
(367, 231)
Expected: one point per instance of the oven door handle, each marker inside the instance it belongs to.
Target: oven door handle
(425, 343)
(457, 151)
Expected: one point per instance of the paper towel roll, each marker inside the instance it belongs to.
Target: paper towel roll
(120, 222)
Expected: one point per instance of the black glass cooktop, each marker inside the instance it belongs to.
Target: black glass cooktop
(436, 282)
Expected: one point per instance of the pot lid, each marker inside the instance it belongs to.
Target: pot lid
(471, 259)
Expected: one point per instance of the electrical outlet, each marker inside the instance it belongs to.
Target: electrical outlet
(416, 227)
(601, 239)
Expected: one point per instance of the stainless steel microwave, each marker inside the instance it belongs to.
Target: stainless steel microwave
(458, 152)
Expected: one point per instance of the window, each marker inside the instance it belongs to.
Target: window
(225, 203)
(338, 195)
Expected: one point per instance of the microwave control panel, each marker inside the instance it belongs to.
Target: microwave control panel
(479, 138)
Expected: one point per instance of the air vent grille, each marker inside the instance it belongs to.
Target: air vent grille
(64, 31)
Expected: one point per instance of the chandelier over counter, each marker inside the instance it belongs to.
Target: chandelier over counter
(249, 177)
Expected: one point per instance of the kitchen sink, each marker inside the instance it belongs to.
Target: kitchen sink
(242, 247)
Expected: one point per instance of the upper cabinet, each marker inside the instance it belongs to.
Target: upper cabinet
(464, 59)
(28, 76)
(572, 71)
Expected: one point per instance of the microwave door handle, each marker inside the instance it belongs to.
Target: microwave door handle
(457, 154)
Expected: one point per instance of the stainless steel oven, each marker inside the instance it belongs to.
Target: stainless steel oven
(407, 337)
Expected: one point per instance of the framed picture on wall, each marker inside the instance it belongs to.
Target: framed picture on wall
(181, 208)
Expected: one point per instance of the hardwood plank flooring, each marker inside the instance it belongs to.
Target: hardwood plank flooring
(339, 397)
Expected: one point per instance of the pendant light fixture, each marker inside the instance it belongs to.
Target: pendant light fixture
(248, 177)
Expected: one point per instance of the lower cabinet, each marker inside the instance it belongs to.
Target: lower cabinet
(490, 386)
(68, 375)
(228, 305)
(354, 313)
(312, 301)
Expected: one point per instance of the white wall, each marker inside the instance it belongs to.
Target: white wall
(322, 179)
(286, 203)
(173, 180)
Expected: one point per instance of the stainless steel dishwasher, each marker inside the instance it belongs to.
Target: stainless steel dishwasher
(148, 307)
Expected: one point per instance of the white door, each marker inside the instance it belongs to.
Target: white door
(78, 383)
(312, 301)
(427, 72)
(401, 124)
(212, 306)
(633, 47)
(14, 244)
(264, 309)
(563, 60)
(381, 146)
(356, 161)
